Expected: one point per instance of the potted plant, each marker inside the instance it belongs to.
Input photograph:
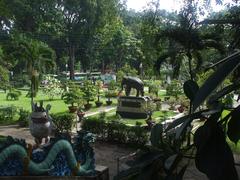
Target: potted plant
(99, 93)
(89, 91)
(74, 97)
(108, 95)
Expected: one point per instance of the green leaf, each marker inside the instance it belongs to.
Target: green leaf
(213, 155)
(216, 78)
(180, 120)
(190, 89)
(234, 126)
(156, 133)
(223, 92)
(171, 163)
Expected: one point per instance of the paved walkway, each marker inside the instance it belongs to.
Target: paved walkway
(89, 113)
(101, 109)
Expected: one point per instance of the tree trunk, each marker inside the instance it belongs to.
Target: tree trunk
(71, 61)
(103, 66)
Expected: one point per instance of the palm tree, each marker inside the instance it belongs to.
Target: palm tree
(36, 55)
(185, 40)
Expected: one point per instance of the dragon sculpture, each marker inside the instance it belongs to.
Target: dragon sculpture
(60, 158)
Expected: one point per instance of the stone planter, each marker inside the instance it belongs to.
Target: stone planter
(109, 103)
(98, 103)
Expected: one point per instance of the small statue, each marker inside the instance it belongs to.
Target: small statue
(41, 125)
(132, 82)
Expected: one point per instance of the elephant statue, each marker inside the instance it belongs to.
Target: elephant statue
(132, 82)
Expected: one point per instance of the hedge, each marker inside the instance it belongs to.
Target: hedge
(64, 122)
(116, 131)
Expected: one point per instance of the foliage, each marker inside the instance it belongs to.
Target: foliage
(213, 134)
(174, 89)
(112, 85)
(7, 112)
(116, 131)
(52, 87)
(73, 96)
(153, 88)
(126, 70)
(13, 94)
(31, 53)
(111, 94)
(99, 90)
(202, 77)
(89, 91)
(4, 78)
(23, 119)
(186, 40)
(64, 122)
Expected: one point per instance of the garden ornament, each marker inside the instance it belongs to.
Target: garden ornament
(132, 82)
(61, 157)
(41, 125)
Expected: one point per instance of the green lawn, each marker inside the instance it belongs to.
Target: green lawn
(57, 104)
(157, 116)
(24, 102)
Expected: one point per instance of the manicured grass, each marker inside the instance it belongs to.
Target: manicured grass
(57, 104)
(24, 102)
(157, 116)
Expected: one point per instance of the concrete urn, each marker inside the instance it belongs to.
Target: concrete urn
(40, 126)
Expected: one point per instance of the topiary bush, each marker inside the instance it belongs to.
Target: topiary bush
(13, 94)
(64, 122)
(7, 113)
(115, 131)
(23, 119)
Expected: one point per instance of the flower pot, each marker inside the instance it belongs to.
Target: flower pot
(180, 109)
(72, 109)
(98, 103)
(87, 106)
(109, 102)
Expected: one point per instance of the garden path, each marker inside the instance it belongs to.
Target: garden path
(89, 113)
(101, 109)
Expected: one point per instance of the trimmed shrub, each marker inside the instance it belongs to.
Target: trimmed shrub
(23, 119)
(64, 122)
(95, 125)
(116, 131)
(7, 112)
(13, 95)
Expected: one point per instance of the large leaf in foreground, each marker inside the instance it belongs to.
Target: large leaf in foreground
(181, 120)
(216, 78)
(234, 126)
(190, 89)
(213, 156)
(223, 92)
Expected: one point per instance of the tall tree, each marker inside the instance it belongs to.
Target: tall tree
(187, 40)
(81, 21)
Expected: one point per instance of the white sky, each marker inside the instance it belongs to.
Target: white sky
(164, 4)
(169, 5)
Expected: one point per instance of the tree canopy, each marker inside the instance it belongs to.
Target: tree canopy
(104, 35)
